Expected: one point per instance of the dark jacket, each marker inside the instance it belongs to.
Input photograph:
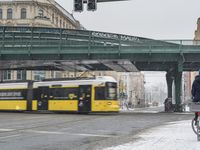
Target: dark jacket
(196, 89)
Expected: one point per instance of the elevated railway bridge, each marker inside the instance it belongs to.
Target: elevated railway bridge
(36, 48)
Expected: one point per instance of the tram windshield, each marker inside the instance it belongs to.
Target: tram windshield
(111, 91)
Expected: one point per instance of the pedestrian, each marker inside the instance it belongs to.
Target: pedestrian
(196, 92)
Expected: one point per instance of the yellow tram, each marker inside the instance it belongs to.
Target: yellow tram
(86, 95)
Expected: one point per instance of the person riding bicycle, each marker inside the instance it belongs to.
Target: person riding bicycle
(196, 92)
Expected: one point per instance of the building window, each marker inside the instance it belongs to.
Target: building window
(67, 25)
(23, 13)
(60, 22)
(7, 75)
(52, 74)
(39, 75)
(9, 13)
(53, 18)
(1, 14)
(56, 21)
(41, 13)
(19, 75)
(63, 24)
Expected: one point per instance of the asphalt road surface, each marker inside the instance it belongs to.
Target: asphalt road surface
(50, 131)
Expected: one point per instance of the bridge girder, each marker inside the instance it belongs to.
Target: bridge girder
(61, 45)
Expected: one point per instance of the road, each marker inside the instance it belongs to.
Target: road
(50, 131)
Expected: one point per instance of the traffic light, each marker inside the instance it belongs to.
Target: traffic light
(78, 5)
(92, 5)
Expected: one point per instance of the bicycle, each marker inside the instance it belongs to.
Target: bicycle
(195, 107)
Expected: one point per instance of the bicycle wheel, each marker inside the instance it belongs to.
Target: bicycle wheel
(194, 127)
(198, 131)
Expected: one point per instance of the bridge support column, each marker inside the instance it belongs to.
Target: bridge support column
(1, 75)
(178, 91)
(178, 87)
(176, 76)
(168, 100)
(169, 79)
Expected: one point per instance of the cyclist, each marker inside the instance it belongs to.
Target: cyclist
(196, 92)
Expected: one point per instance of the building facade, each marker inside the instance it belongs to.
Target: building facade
(36, 13)
(197, 32)
(188, 77)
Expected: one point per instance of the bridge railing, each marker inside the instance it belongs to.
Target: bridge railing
(34, 37)
(184, 42)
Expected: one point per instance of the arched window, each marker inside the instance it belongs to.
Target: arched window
(7, 75)
(9, 13)
(56, 21)
(23, 13)
(1, 14)
(53, 18)
(21, 74)
(60, 23)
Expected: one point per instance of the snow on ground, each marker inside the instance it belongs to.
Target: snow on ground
(173, 136)
(152, 109)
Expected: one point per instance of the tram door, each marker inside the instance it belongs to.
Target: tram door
(85, 95)
(43, 97)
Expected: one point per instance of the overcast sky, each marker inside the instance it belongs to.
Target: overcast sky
(158, 19)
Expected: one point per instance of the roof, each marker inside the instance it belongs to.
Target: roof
(97, 80)
(24, 84)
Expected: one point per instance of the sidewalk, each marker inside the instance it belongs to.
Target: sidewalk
(172, 136)
(152, 109)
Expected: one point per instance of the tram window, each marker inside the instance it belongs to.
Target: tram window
(99, 93)
(64, 93)
(35, 94)
(12, 95)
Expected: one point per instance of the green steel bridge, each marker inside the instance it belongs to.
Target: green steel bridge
(81, 50)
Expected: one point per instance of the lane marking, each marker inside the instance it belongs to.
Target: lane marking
(10, 136)
(97, 135)
(6, 130)
(44, 132)
(65, 133)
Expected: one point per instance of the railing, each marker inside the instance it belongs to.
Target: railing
(37, 33)
(184, 42)
(31, 37)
